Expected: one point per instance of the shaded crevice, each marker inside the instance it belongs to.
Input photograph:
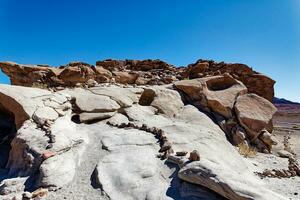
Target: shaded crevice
(8, 131)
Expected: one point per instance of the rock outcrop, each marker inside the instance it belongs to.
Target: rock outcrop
(114, 141)
(140, 72)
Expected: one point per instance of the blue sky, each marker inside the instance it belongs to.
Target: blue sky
(265, 34)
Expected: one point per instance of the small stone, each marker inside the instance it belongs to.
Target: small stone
(26, 195)
(284, 154)
(166, 146)
(122, 125)
(181, 153)
(174, 159)
(39, 192)
(52, 139)
(194, 156)
(48, 154)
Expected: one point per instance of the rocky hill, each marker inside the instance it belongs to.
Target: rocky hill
(140, 130)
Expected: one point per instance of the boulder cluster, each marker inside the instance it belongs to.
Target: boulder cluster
(237, 97)
(140, 72)
(245, 117)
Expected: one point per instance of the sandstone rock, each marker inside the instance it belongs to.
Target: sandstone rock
(89, 102)
(21, 101)
(194, 156)
(217, 93)
(117, 119)
(255, 82)
(145, 72)
(23, 160)
(124, 96)
(197, 173)
(284, 154)
(238, 135)
(125, 77)
(193, 71)
(130, 170)
(167, 101)
(255, 114)
(41, 192)
(44, 113)
(206, 137)
(102, 75)
(76, 72)
(88, 117)
(13, 185)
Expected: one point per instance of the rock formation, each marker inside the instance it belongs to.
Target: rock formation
(134, 130)
(140, 72)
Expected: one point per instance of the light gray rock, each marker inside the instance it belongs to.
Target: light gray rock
(44, 113)
(88, 117)
(218, 156)
(124, 96)
(89, 102)
(131, 167)
(22, 159)
(21, 101)
(58, 171)
(118, 118)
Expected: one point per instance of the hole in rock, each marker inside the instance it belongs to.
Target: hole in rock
(7, 133)
(221, 83)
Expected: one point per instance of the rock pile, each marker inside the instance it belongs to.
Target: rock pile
(292, 171)
(245, 117)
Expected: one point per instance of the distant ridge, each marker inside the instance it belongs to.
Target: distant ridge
(283, 101)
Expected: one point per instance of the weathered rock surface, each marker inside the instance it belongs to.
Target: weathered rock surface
(255, 82)
(255, 113)
(112, 141)
(167, 101)
(217, 93)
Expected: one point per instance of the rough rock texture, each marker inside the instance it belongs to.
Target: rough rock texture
(141, 72)
(255, 113)
(113, 141)
(218, 93)
(255, 82)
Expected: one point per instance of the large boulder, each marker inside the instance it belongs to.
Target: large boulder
(254, 114)
(87, 101)
(167, 101)
(22, 102)
(125, 77)
(217, 93)
(76, 72)
(255, 82)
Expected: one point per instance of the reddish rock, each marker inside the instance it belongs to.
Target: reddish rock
(194, 156)
(254, 114)
(76, 72)
(255, 82)
(48, 154)
(217, 93)
(125, 77)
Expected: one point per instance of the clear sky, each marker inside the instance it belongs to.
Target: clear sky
(264, 34)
